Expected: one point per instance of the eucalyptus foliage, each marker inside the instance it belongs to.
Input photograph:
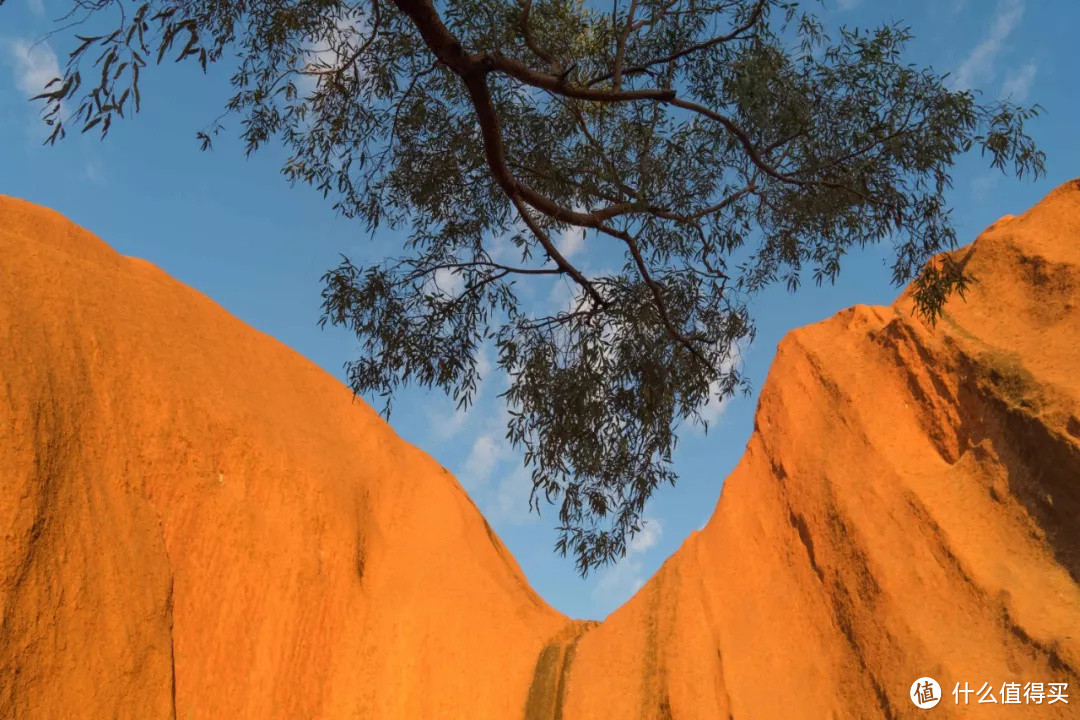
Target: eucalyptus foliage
(717, 146)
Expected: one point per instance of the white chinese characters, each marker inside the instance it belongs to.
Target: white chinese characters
(1012, 693)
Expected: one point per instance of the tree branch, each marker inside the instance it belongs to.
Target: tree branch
(554, 253)
(473, 69)
(657, 293)
(359, 51)
(530, 42)
(618, 73)
(506, 269)
(752, 153)
(620, 46)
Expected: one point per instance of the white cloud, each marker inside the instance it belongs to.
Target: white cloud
(982, 186)
(444, 426)
(445, 282)
(37, 7)
(647, 538)
(1018, 82)
(509, 503)
(617, 583)
(94, 174)
(483, 363)
(715, 407)
(348, 34)
(487, 450)
(978, 66)
(34, 65)
(571, 241)
(502, 247)
(567, 296)
(561, 294)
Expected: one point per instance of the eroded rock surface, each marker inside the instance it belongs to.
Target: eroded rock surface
(199, 523)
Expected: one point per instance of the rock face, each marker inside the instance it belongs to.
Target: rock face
(199, 523)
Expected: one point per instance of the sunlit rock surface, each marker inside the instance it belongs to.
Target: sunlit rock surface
(199, 523)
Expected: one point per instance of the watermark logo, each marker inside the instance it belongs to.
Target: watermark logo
(925, 693)
(1013, 693)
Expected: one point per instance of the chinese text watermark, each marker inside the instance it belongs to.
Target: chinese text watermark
(926, 693)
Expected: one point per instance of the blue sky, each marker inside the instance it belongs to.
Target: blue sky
(232, 228)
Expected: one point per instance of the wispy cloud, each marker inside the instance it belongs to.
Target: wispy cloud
(618, 582)
(982, 186)
(1018, 82)
(444, 281)
(445, 425)
(332, 50)
(34, 65)
(487, 450)
(647, 538)
(508, 504)
(955, 6)
(37, 7)
(501, 247)
(505, 502)
(561, 294)
(978, 66)
(492, 455)
(484, 367)
(571, 240)
(94, 174)
(715, 407)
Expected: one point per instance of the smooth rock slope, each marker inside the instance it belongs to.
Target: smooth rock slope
(199, 523)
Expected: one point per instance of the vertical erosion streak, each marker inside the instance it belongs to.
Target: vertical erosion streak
(548, 689)
(170, 602)
(172, 651)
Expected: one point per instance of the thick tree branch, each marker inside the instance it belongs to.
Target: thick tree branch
(620, 46)
(530, 41)
(474, 69)
(558, 84)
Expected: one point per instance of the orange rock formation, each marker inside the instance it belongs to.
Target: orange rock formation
(199, 523)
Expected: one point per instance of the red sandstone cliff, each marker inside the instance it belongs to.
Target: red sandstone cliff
(198, 523)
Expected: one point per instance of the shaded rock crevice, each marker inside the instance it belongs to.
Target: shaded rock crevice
(547, 693)
(1005, 405)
